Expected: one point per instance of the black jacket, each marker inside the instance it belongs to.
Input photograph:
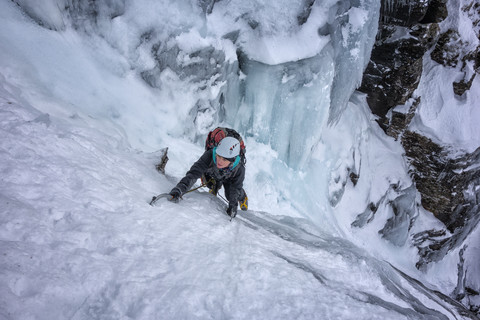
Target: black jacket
(231, 179)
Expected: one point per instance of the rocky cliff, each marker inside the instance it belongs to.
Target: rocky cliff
(447, 179)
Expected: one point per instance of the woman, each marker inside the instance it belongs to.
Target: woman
(221, 165)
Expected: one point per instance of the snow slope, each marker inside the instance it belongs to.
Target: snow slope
(80, 241)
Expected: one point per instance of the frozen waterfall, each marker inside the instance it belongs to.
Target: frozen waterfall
(91, 90)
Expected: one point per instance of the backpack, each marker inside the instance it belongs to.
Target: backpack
(215, 136)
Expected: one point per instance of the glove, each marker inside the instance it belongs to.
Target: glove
(232, 210)
(176, 194)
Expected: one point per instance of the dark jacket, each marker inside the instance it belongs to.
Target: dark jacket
(231, 179)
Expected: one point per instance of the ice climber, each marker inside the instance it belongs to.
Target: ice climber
(220, 165)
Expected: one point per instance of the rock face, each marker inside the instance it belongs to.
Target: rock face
(390, 79)
(451, 51)
(407, 30)
(450, 190)
(399, 65)
(448, 182)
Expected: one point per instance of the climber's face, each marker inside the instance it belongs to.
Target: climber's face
(222, 162)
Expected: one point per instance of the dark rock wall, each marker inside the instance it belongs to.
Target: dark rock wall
(396, 62)
(444, 182)
(408, 29)
(448, 182)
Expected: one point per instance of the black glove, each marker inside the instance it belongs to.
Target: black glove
(176, 194)
(232, 210)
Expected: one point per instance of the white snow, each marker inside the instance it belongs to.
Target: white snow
(447, 118)
(79, 240)
(79, 135)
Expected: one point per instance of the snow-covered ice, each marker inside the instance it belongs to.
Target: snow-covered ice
(80, 241)
(79, 135)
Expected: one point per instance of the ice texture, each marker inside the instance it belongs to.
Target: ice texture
(90, 88)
